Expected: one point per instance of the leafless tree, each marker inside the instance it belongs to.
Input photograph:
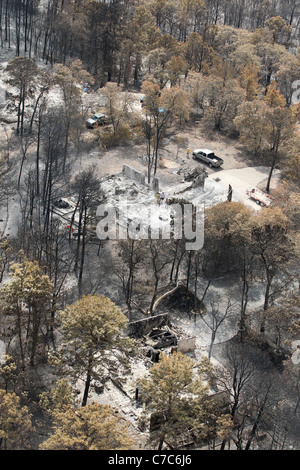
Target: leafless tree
(131, 253)
(86, 188)
(213, 319)
(157, 258)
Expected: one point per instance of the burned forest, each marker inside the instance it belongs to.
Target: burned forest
(149, 226)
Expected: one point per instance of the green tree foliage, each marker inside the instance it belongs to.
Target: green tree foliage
(199, 54)
(57, 399)
(102, 38)
(27, 303)
(93, 427)
(15, 423)
(249, 80)
(9, 373)
(293, 159)
(92, 339)
(288, 73)
(224, 102)
(251, 122)
(178, 399)
(266, 127)
(280, 30)
(144, 36)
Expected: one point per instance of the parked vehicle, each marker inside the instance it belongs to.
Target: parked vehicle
(259, 197)
(208, 156)
(97, 120)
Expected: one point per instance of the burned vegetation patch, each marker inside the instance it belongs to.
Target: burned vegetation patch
(182, 300)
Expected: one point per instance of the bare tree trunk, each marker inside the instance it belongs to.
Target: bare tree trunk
(270, 175)
(87, 384)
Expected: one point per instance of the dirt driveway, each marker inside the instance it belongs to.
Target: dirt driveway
(238, 170)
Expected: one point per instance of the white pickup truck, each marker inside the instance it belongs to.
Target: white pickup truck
(207, 156)
(97, 120)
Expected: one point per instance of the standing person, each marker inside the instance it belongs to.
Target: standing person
(187, 153)
(162, 197)
(229, 196)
